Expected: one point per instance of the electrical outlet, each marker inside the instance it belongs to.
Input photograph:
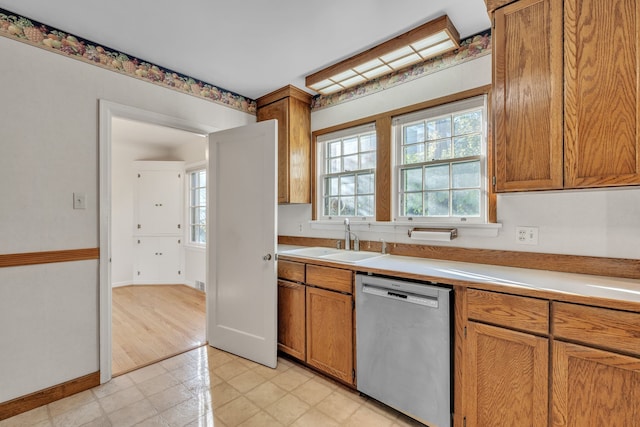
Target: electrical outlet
(527, 235)
(300, 227)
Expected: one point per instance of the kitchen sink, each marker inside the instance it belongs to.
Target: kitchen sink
(314, 252)
(330, 254)
(353, 256)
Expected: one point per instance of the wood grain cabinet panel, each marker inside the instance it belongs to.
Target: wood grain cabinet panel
(335, 279)
(292, 319)
(507, 378)
(527, 95)
(512, 311)
(594, 387)
(602, 327)
(566, 94)
(292, 108)
(602, 75)
(290, 270)
(330, 333)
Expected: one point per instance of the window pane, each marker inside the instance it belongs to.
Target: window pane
(437, 203)
(414, 133)
(439, 150)
(366, 184)
(436, 177)
(368, 161)
(413, 204)
(201, 235)
(350, 146)
(466, 202)
(412, 179)
(439, 128)
(331, 206)
(464, 146)
(335, 149)
(413, 154)
(335, 165)
(466, 174)
(365, 205)
(350, 163)
(347, 206)
(331, 186)
(348, 185)
(201, 215)
(368, 142)
(468, 122)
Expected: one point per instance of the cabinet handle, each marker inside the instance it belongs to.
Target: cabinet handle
(267, 257)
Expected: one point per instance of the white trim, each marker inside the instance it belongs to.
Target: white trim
(107, 111)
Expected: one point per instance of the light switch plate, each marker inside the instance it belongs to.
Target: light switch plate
(79, 201)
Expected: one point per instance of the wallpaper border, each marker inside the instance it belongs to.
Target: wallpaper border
(37, 34)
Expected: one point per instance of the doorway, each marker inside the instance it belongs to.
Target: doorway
(151, 129)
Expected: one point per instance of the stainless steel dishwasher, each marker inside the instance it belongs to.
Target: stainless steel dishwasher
(403, 344)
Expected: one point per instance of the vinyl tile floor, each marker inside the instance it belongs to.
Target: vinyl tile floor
(208, 387)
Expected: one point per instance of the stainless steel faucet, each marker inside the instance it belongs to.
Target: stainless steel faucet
(347, 237)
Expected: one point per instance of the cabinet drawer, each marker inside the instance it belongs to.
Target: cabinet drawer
(330, 278)
(612, 329)
(515, 312)
(290, 270)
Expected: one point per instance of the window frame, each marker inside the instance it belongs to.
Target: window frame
(384, 170)
(191, 206)
(323, 158)
(424, 115)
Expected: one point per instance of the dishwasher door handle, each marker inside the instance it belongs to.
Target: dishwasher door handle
(424, 300)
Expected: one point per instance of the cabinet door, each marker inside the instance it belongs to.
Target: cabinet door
(527, 54)
(279, 110)
(159, 202)
(602, 66)
(594, 387)
(330, 333)
(507, 382)
(157, 260)
(291, 319)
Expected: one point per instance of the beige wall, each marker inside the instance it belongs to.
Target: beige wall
(48, 151)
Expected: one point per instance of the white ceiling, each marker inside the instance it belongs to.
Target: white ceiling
(250, 47)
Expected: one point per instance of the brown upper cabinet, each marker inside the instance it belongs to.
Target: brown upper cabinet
(292, 108)
(566, 94)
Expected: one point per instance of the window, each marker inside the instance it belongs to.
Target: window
(441, 163)
(347, 173)
(198, 207)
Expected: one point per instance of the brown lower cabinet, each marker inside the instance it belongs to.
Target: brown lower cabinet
(507, 378)
(593, 387)
(315, 317)
(536, 362)
(291, 319)
(330, 333)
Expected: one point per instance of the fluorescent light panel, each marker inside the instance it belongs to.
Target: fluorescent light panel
(428, 40)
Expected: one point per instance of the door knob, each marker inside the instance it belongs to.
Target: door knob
(267, 257)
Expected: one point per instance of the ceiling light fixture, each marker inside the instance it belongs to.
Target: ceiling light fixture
(426, 41)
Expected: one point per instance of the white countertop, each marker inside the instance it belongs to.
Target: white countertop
(614, 288)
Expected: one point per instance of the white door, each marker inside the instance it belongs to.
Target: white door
(241, 242)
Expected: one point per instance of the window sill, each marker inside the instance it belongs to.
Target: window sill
(464, 230)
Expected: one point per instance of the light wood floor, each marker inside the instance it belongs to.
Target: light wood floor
(154, 322)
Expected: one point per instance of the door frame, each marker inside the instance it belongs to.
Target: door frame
(107, 111)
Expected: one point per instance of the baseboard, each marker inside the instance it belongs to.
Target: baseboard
(119, 284)
(48, 395)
